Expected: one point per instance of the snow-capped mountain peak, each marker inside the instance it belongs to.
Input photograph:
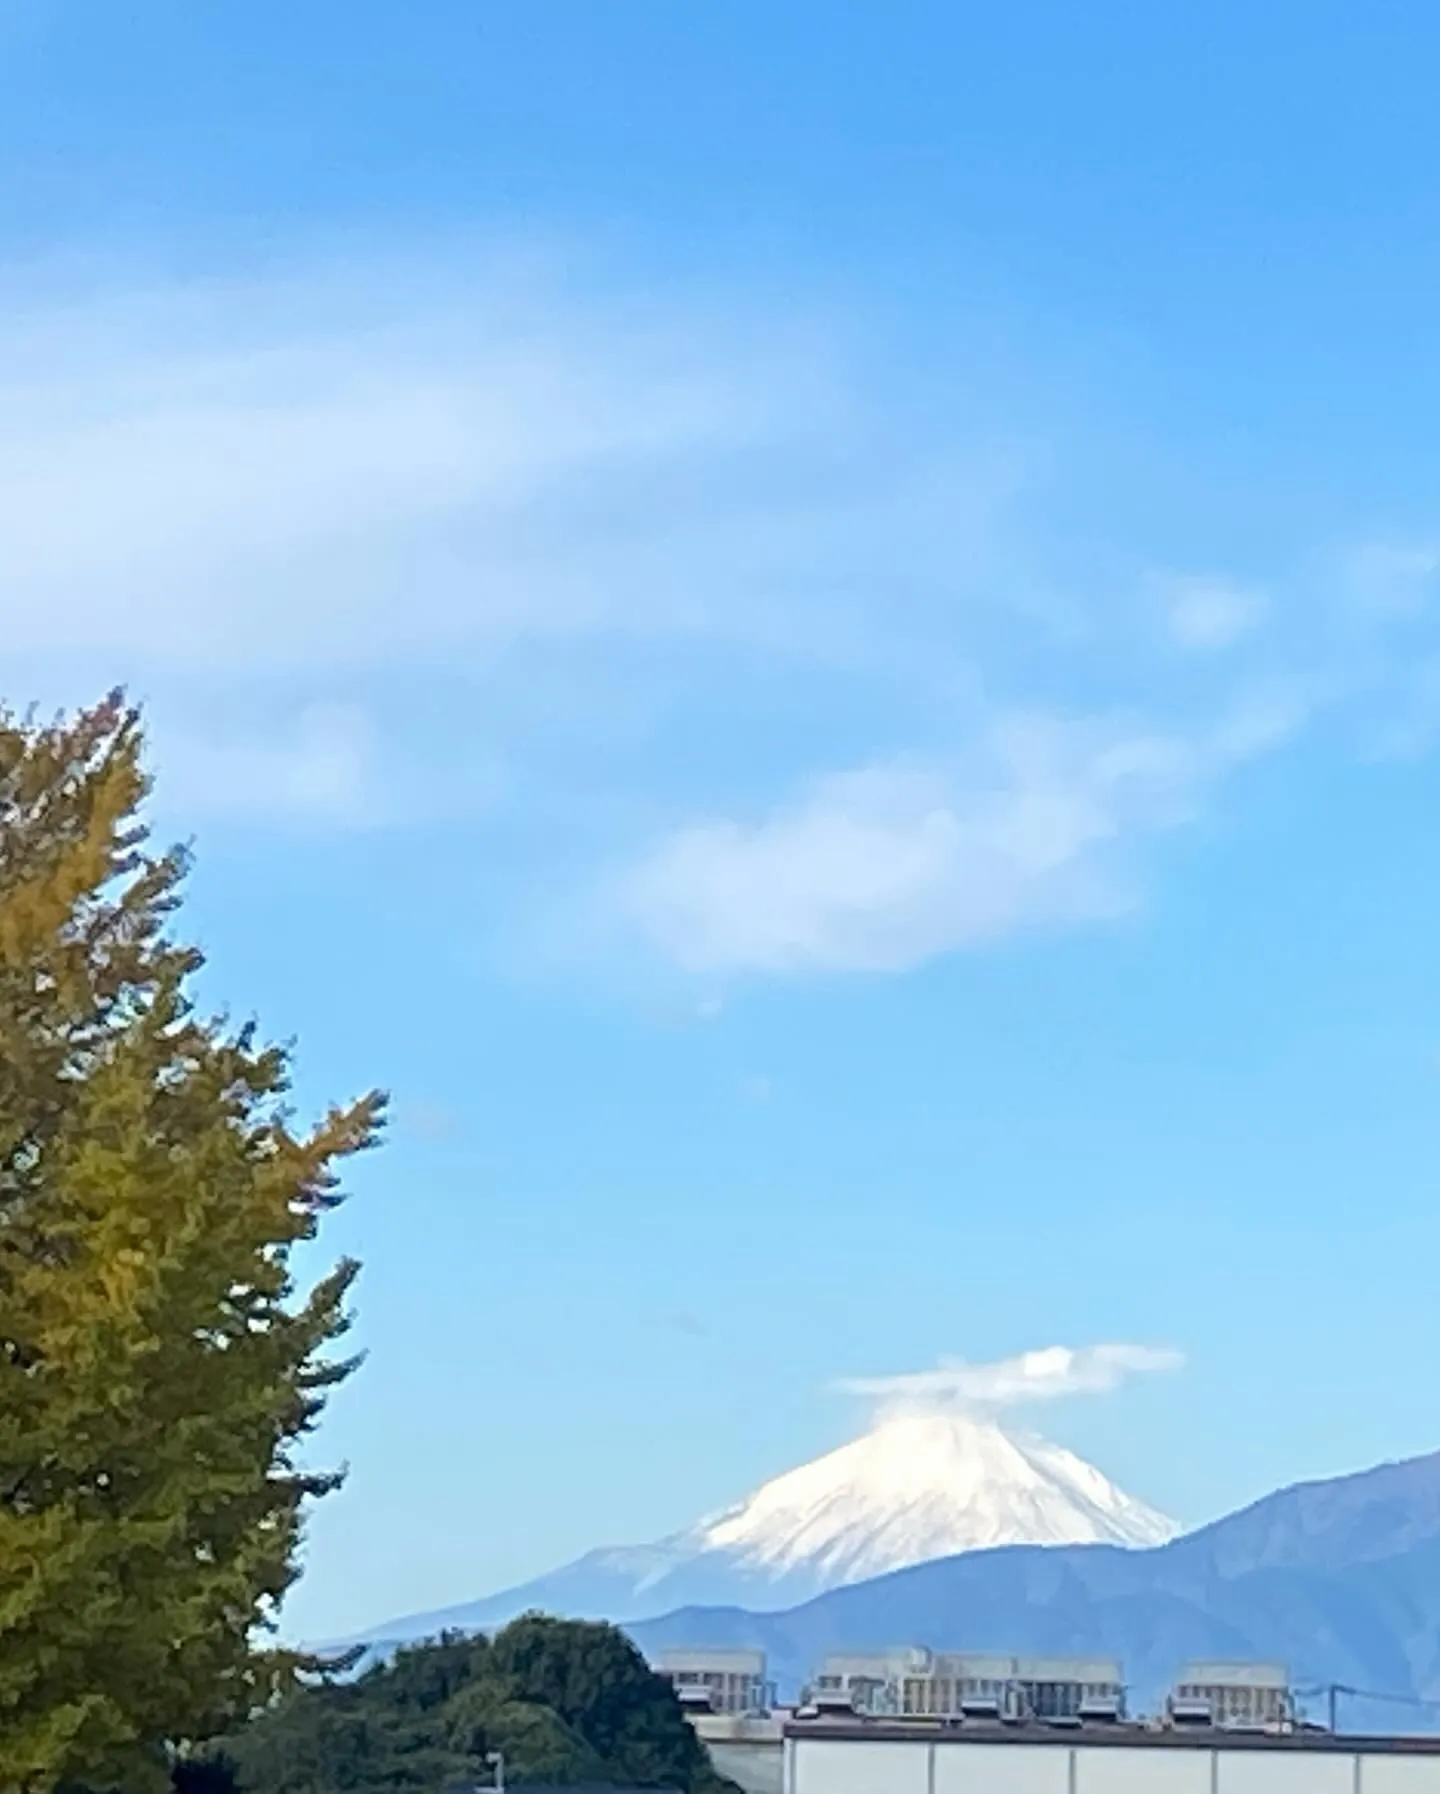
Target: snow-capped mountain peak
(920, 1486)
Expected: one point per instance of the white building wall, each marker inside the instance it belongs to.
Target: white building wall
(1257, 1772)
(1399, 1775)
(838, 1766)
(1100, 1771)
(845, 1766)
(981, 1768)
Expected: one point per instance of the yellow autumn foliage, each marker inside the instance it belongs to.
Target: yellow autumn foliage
(158, 1366)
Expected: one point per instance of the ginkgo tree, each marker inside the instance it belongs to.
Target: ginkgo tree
(159, 1367)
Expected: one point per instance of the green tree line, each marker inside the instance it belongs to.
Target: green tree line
(564, 1701)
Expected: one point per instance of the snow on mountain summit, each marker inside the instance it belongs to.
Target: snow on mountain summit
(920, 1486)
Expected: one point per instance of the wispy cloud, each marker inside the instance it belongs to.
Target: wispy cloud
(575, 506)
(327, 764)
(885, 866)
(1038, 1376)
(1207, 615)
(303, 470)
(1392, 578)
(323, 480)
(320, 767)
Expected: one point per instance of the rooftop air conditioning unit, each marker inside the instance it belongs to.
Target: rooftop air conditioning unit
(833, 1700)
(1099, 1710)
(980, 1706)
(1191, 1713)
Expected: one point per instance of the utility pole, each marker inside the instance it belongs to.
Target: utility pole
(1334, 1692)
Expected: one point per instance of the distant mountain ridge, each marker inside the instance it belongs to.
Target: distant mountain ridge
(916, 1487)
(1340, 1579)
(1362, 1517)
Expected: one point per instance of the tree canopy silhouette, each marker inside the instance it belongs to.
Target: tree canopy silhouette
(158, 1366)
(567, 1702)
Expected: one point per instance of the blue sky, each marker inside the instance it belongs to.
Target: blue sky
(813, 630)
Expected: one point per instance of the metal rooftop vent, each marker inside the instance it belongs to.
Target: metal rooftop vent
(1191, 1713)
(980, 1706)
(832, 1700)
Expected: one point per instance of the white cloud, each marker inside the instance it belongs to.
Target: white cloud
(1392, 579)
(883, 867)
(322, 767)
(375, 479)
(502, 486)
(325, 763)
(289, 473)
(1205, 615)
(1038, 1376)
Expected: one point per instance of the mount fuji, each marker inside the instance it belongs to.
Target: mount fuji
(918, 1486)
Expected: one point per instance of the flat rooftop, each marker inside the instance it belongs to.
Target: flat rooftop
(1124, 1735)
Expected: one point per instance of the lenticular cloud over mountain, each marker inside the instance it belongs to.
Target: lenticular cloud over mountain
(1040, 1376)
(934, 1475)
